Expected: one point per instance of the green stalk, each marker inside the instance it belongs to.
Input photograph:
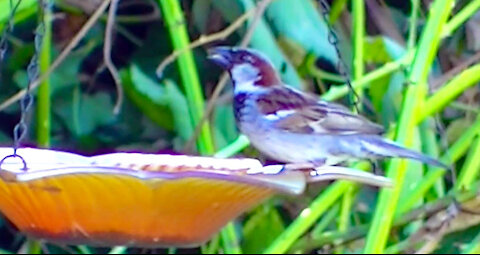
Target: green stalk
(344, 220)
(230, 241)
(336, 10)
(26, 9)
(456, 21)
(434, 104)
(43, 101)
(33, 247)
(300, 225)
(430, 147)
(468, 11)
(450, 91)
(310, 215)
(471, 167)
(307, 218)
(358, 7)
(239, 144)
(454, 153)
(412, 32)
(326, 220)
(310, 242)
(362, 83)
(388, 198)
(212, 246)
(174, 18)
(319, 229)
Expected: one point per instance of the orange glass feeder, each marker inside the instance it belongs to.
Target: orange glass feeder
(131, 199)
(142, 200)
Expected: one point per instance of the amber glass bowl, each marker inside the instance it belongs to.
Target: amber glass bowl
(131, 199)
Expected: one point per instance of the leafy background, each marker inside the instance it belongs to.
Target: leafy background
(414, 64)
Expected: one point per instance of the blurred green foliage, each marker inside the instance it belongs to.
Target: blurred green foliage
(159, 114)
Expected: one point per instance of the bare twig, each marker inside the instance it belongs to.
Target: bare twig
(204, 39)
(66, 51)
(259, 10)
(107, 54)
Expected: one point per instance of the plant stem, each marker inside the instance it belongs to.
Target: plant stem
(26, 9)
(342, 90)
(388, 198)
(43, 101)
(358, 7)
(309, 215)
(344, 220)
(470, 169)
(230, 240)
(336, 10)
(173, 15)
(459, 18)
(412, 31)
(450, 91)
(455, 152)
(431, 148)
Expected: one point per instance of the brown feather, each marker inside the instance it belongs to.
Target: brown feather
(311, 115)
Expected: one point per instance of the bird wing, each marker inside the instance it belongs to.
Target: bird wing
(294, 111)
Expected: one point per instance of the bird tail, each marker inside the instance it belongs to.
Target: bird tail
(385, 148)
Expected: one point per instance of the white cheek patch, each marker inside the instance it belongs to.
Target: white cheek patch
(244, 76)
(279, 115)
(244, 73)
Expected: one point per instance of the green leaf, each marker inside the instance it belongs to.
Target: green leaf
(307, 28)
(381, 49)
(387, 92)
(225, 123)
(83, 113)
(149, 96)
(179, 109)
(261, 229)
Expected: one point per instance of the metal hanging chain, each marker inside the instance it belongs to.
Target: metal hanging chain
(7, 31)
(20, 130)
(341, 66)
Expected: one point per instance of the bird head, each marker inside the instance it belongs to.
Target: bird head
(249, 69)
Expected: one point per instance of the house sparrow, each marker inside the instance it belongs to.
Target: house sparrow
(297, 128)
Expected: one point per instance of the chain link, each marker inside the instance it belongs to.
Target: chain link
(7, 31)
(20, 130)
(341, 66)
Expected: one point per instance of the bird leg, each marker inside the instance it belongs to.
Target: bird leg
(377, 170)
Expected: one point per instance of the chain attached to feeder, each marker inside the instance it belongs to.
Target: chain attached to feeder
(20, 130)
(341, 66)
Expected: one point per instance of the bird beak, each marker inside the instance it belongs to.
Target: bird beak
(221, 56)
